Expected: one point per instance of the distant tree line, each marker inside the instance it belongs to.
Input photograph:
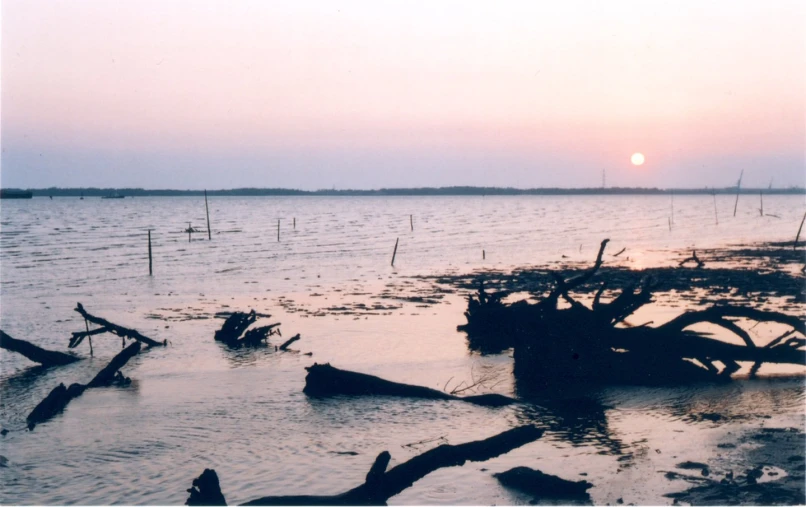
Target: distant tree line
(421, 191)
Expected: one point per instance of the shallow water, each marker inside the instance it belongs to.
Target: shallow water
(196, 404)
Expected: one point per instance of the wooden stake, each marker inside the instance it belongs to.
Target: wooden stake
(295, 223)
(670, 223)
(190, 230)
(207, 209)
(795, 246)
(716, 217)
(278, 230)
(672, 218)
(87, 325)
(761, 199)
(150, 273)
(483, 255)
(395, 252)
(411, 222)
(738, 189)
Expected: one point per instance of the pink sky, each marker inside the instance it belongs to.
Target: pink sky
(369, 94)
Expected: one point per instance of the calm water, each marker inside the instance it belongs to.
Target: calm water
(195, 404)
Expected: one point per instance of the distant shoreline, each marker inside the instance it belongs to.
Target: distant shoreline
(423, 191)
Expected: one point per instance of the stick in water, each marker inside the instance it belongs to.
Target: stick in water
(738, 188)
(150, 272)
(411, 222)
(483, 255)
(795, 245)
(395, 252)
(278, 230)
(761, 200)
(207, 209)
(716, 217)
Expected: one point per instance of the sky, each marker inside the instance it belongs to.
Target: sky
(371, 94)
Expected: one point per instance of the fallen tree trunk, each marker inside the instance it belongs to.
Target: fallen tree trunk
(288, 342)
(234, 334)
(326, 380)
(46, 358)
(60, 396)
(554, 345)
(544, 486)
(380, 485)
(109, 327)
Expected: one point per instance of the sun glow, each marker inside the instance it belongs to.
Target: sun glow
(637, 159)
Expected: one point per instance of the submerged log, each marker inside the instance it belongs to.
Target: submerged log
(554, 345)
(380, 484)
(288, 342)
(60, 396)
(326, 380)
(109, 327)
(46, 358)
(206, 490)
(234, 326)
(234, 332)
(544, 486)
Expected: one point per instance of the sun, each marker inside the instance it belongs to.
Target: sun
(637, 158)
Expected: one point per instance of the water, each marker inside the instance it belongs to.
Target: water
(196, 405)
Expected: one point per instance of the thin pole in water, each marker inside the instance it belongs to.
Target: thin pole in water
(716, 217)
(483, 255)
(190, 230)
(738, 188)
(87, 325)
(761, 199)
(411, 222)
(295, 223)
(672, 218)
(150, 272)
(278, 230)
(207, 209)
(395, 252)
(795, 245)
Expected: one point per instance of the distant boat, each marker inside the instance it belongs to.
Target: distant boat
(15, 194)
(113, 196)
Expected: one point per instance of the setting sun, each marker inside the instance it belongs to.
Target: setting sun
(637, 158)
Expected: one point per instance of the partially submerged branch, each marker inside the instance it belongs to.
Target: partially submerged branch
(326, 380)
(109, 327)
(554, 345)
(46, 358)
(380, 484)
(234, 330)
(60, 396)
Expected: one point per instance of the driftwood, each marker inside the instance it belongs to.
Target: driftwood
(326, 380)
(554, 345)
(36, 354)
(288, 342)
(233, 332)
(544, 486)
(109, 327)
(60, 396)
(696, 260)
(380, 484)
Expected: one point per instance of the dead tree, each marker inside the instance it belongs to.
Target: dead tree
(545, 486)
(554, 345)
(60, 396)
(325, 380)
(380, 484)
(696, 260)
(288, 342)
(46, 358)
(234, 332)
(109, 327)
